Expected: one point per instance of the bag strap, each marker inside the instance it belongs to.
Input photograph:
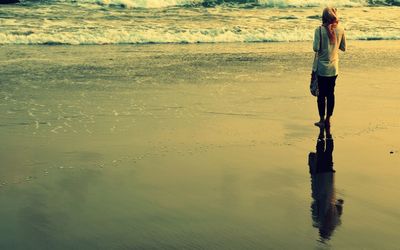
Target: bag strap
(320, 39)
(316, 57)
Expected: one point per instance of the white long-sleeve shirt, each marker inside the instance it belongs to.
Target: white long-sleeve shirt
(328, 56)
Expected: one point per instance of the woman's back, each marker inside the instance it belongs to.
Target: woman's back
(328, 54)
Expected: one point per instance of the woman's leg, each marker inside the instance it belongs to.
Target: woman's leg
(321, 106)
(330, 98)
(321, 99)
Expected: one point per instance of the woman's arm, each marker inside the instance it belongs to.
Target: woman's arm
(342, 45)
(316, 40)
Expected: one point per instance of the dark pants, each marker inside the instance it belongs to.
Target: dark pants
(326, 97)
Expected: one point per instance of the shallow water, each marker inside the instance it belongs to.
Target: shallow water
(193, 146)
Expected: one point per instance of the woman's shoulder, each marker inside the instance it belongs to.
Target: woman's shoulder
(340, 28)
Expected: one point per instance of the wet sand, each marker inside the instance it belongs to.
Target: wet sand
(195, 147)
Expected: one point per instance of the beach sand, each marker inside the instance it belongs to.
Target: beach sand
(201, 146)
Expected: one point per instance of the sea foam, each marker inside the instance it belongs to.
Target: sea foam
(193, 36)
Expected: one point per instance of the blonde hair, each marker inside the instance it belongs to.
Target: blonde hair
(330, 22)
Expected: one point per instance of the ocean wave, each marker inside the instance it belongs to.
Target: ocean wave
(236, 3)
(148, 3)
(193, 36)
(248, 3)
(81, 23)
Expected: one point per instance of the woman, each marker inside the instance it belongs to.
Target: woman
(331, 37)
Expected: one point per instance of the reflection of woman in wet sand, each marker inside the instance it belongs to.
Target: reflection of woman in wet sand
(325, 209)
